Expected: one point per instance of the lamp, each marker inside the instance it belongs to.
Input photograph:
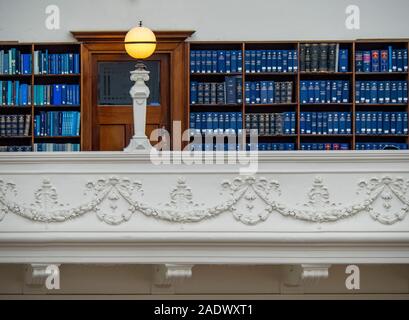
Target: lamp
(140, 43)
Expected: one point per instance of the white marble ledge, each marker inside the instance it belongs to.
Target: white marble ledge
(295, 207)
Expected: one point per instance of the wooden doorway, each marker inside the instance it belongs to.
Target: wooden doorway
(111, 104)
(109, 127)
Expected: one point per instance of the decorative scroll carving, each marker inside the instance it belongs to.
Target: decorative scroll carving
(250, 199)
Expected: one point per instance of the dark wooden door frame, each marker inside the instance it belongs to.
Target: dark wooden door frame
(109, 42)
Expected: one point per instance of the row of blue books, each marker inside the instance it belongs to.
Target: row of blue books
(216, 122)
(324, 146)
(389, 60)
(228, 92)
(325, 122)
(381, 123)
(268, 92)
(213, 147)
(56, 63)
(16, 149)
(13, 62)
(381, 146)
(257, 61)
(379, 92)
(263, 146)
(14, 93)
(56, 147)
(57, 123)
(57, 94)
(216, 61)
(324, 91)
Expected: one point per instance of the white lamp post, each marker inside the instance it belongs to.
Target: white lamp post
(140, 43)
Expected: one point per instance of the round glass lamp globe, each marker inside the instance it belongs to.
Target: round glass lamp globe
(145, 48)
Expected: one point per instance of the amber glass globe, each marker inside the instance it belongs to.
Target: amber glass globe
(140, 42)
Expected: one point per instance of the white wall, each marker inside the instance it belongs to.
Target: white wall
(24, 20)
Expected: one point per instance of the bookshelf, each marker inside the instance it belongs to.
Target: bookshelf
(54, 82)
(348, 105)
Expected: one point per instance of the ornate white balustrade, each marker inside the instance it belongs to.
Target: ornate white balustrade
(313, 209)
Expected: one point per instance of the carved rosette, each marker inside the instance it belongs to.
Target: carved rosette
(251, 200)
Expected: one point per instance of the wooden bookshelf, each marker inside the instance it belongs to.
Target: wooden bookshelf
(351, 75)
(42, 79)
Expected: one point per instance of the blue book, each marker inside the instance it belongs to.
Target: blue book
(239, 122)
(274, 61)
(405, 59)
(203, 58)
(348, 123)
(317, 92)
(387, 91)
(328, 92)
(394, 61)
(375, 64)
(358, 92)
(226, 123)
(228, 61)
(203, 122)
(323, 92)
(334, 91)
(253, 61)
(258, 61)
(330, 123)
(394, 92)
(367, 92)
(405, 123)
(263, 61)
(290, 61)
(258, 89)
(247, 61)
(221, 124)
(209, 122)
(358, 123)
(263, 92)
(374, 92)
(233, 59)
(311, 92)
(295, 61)
(214, 60)
(284, 54)
(221, 61)
(374, 124)
(319, 123)
(253, 93)
(393, 122)
(287, 123)
(270, 92)
(247, 92)
(302, 123)
(342, 123)
(345, 91)
(279, 60)
(304, 92)
(399, 123)
(405, 91)
(343, 60)
(214, 122)
(314, 123)
(193, 92)
(400, 91)
(381, 92)
(231, 90)
(399, 60)
(386, 123)
(308, 123)
(192, 121)
(233, 122)
(336, 123)
(239, 61)
(268, 61)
